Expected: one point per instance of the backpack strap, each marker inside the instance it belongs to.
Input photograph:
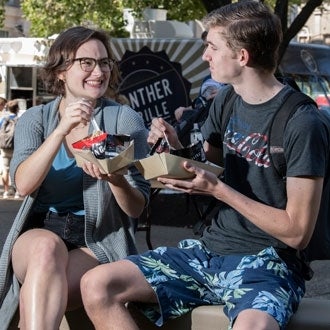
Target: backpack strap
(227, 110)
(291, 102)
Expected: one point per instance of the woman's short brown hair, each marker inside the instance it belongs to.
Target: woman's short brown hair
(64, 48)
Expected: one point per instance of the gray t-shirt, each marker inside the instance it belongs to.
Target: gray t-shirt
(248, 168)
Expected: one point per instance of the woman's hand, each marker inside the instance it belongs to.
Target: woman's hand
(76, 113)
(95, 172)
(129, 198)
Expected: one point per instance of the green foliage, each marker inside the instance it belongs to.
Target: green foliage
(176, 10)
(2, 13)
(49, 17)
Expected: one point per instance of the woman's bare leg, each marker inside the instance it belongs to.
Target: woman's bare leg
(107, 288)
(40, 260)
(50, 278)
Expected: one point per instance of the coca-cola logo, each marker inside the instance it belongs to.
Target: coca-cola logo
(252, 147)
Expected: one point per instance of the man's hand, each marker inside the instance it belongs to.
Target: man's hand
(159, 129)
(204, 182)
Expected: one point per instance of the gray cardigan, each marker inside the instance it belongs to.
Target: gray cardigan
(109, 232)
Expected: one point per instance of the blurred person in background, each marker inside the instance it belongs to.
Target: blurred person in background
(3, 103)
(7, 153)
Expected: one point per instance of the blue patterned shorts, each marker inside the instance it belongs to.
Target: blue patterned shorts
(191, 276)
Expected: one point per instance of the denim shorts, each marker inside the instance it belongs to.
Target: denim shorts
(191, 275)
(68, 226)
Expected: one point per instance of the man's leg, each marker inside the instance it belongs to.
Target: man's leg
(107, 288)
(255, 320)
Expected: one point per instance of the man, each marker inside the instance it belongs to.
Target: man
(248, 258)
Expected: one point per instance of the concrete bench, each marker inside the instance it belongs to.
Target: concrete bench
(313, 314)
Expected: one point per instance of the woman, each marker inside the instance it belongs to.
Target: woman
(72, 219)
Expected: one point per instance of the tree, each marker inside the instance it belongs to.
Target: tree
(49, 17)
(289, 32)
(2, 12)
(213, 4)
(176, 10)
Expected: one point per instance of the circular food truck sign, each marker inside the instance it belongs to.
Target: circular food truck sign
(153, 84)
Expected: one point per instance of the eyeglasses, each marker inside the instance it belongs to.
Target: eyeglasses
(88, 64)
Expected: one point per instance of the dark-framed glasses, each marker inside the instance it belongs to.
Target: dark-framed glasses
(88, 64)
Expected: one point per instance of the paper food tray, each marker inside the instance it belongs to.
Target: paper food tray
(107, 165)
(170, 166)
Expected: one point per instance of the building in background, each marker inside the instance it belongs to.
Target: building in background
(317, 28)
(15, 25)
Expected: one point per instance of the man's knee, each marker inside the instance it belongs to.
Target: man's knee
(93, 290)
(255, 319)
(102, 282)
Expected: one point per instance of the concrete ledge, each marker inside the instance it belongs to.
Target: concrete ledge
(313, 314)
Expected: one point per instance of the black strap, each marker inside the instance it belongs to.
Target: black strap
(227, 110)
(291, 102)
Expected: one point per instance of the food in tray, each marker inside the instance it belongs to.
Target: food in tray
(104, 145)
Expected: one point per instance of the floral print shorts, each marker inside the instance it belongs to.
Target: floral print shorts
(189, 276)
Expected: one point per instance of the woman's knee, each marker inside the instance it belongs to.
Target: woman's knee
(41, 250)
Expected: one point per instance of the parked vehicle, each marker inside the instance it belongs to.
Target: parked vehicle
(309, 66)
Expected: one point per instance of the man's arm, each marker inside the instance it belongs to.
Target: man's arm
(295, 224)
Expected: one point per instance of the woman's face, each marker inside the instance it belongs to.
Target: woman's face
(79, 83)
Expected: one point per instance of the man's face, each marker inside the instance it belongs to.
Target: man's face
(224, 63)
